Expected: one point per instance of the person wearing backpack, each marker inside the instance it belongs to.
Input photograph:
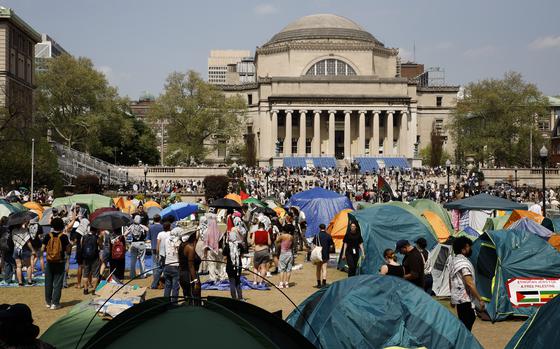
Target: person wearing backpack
(90, 257)
(138, 246)
(57, 246)
(118, 253)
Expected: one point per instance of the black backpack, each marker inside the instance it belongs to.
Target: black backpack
(90, 248)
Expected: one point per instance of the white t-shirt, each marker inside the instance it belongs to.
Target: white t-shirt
(460, 267)
(162, 237)
(171, 250)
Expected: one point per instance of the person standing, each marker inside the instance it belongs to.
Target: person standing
(232, 252)
(391, 267)
(57, 246)
(91, 244)
(286, 260)
(138, 245)
(189, 262)
(153, 230)
(261, 240)
(324, 240)
(413, 263)
(421, 245)
(118, 254)
(171, 269)
(23, 250)
(352, 246)
(462, 283)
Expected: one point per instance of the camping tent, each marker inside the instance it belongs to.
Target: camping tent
(539, 331)
(441, 230)
(337, 227)
(518, 214)
(432, 206)
(217, 323)
(503, 260)
(382, 226)
(375, 311)
(440, 271)
(532, 227)
(320, 206)
(484, 202)
(496, 223)
(93, 201)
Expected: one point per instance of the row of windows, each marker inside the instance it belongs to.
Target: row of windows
(19, 41)
(330, 67)
(20, 66)
(217, 68)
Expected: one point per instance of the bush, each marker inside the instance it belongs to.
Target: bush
(87, 184)
(216, 187)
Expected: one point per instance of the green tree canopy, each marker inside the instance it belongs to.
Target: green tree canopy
(497, 118)
(194, 111)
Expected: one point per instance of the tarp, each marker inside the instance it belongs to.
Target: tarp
(540, 331)
(438, 225)
(375, 311)
(338, 226)
(437, 260)
(179, 210)
(532, 227)
(382, 226)
(518, 214)
(484, 202)
(502, 256)
(93, 201)
(425, 204)
(320, 206)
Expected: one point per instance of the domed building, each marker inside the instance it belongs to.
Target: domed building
(327, 89)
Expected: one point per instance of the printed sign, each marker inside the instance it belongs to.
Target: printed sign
(528, 292)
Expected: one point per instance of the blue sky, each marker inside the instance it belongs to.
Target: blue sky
(137, 43)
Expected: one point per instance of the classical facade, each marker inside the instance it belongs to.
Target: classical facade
(327, 88)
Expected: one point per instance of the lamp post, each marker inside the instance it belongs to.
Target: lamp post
(266, 175)
(108, 177)
(356, 169)
(397, 173)
(448, 168)
(515, 178)
(145, 179)
(543, 153)
(32, 166)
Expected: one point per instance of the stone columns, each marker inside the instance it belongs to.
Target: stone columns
(274, 131)
(403, 135)
(347, 134)
(362, 133)
(302, 133)
(388, 144)
(331, 132)
(413, 130)
(288, 138)
(316, 144)
(374, 143)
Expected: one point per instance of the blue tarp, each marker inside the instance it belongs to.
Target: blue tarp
(179, 210)
(375, 311)
(382, 225)
(224, 285)
(532, 227)
(320, 206)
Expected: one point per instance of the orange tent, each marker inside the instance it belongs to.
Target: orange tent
(280, 212)
(438, 225)
(124, 204)
(151, 203)
(554, 240)
(337, 227)
(235, 198)
(34, 206)
(518, 214)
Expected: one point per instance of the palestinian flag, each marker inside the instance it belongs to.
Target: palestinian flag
(528, 297)
(382, 185)
(243, 195)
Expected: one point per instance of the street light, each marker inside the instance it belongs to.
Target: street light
(448, 168)
(108, 177)
(355, 168)
(397, 173)
(515, 178)
(267, 173)
(145, 179)
(32, 166)
(543, 153)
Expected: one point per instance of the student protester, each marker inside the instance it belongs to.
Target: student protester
(261, 240)
(352, 246)
(189, 262)
(171, 269)
(153, 230)
(421, 245)
(324, 240)
(57, 246)
(391, 267)
(91, 244)
(17, 329)
(286, 260)
(7, 251)
(160, 250)
(462, 283)
(413, 263)
(23, 250)
(137, 249)
(232, 252)
(118, 254)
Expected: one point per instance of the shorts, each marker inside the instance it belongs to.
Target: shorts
(261, 257)
(286, 262)
(91, 268)
(21, 253)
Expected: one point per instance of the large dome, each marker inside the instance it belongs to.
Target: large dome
(323, 26)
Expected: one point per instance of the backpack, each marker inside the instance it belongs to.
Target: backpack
(90, 249)
(117, 249)
(54, 249)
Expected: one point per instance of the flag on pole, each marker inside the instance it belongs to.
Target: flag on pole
(383, 186)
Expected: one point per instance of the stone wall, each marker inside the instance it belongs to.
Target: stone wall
(174, 173)
(532, 177)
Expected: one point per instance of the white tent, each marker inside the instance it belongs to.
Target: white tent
(437, 261)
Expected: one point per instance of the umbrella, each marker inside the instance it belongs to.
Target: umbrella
(6, 208)
(99, 211)
(152, 211)
(14, 193)
(225, 203)
(151, 203)
(18, 218)
(266, 211)
(234, 197)
(272, 204)
(111, 220)
(34, 206)
(255, 202)
(179, 210)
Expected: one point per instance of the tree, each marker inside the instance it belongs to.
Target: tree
(216, 187)
(194, 112)
(496, 120)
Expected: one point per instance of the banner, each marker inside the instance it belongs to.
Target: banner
(528, 292)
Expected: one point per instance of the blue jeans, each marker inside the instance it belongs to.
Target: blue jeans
(157, 270)
(171, 275)
(137, 253)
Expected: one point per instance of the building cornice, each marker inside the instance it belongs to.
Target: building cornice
(10, 15)
(332, 79)
(329, 46)
(437, 89)
(329, 99)
(240, 87)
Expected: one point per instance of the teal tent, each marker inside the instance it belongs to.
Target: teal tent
(375, 311)
(484, 202)
(429, 205)
(541, 330)
(502, 259)
(383, 225)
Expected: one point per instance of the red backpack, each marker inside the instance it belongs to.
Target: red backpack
(118, 249)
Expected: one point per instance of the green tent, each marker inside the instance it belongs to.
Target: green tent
(504, 260)
(217, 323)
(484, 202)
(496, 223)
(539, 331)
(255, 202)
(429, 205)
(376, 311)
(67, 330)
(383, 225)
(360, 205)
(93, 201)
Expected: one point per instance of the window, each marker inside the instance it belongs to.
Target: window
(438, 126)
(439, 100)
(221, 149)
(250, 99)
(308, 145)
(330, 67)
(294, 145)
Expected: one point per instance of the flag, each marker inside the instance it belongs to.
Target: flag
(528, 296)
(382, 185)
(243, 195)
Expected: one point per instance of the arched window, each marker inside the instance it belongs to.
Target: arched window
(330, 67)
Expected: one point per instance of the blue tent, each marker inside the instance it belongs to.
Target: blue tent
(320, 206)
(502, 260)
(179, 210)
(375, 311)
(532, 227)
(383, 225)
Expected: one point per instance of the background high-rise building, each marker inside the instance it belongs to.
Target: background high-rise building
(218, 63)
(46, 49)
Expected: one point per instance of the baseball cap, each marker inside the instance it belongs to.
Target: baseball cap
(401, 244)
